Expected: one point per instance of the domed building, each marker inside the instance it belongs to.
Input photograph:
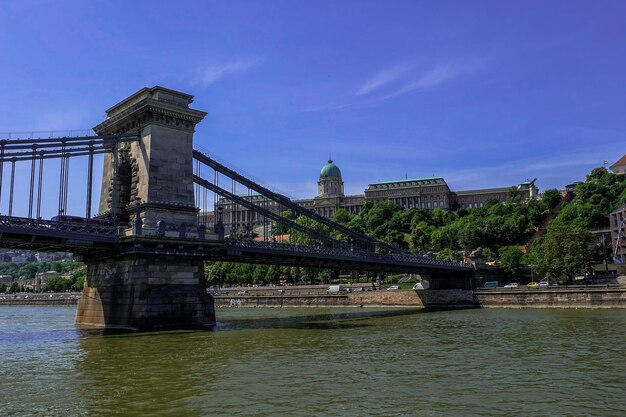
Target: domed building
(330, 196)
(330, 182)
(424, 193)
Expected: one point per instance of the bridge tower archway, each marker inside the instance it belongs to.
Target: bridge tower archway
(123, 188)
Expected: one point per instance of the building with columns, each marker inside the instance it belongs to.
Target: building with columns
(424, 193)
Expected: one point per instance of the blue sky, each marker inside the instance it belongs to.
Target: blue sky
(481, 93)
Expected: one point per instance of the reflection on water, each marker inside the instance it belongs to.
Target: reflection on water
(303, 362)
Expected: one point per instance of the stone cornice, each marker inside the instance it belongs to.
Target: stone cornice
(150, 111)
(164, 205)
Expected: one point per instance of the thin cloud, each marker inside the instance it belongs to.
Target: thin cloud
(323, 107)
(211, 74)
(433, 78)
(428, 80)
(383, 78)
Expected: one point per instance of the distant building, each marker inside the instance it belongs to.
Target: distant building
(20, 259)
(427, 193)
(6, 278)
(41, 278)
(619, 167)
(44, 257)
(424, 193)
(618, 234)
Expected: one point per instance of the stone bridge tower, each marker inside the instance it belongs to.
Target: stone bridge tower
(131, 287)
(156, 171)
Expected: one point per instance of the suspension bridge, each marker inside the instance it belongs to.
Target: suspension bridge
(146, 244)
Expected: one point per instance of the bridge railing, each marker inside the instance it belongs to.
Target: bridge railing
(93, 227)
(356, 254)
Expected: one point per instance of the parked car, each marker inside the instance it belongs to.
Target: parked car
(511, 285)
(393, 288)
(531, 285)
(543, 284)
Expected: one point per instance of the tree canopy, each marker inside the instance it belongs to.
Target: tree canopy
(498, 228)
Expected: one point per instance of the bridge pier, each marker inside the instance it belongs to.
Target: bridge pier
(145, 292)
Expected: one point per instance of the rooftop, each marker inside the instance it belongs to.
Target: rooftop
(484, 191)
(408, 180)
(620, 162)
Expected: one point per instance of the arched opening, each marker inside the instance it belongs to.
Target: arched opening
(122, 191)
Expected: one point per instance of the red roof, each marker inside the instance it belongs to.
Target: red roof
(620, 162)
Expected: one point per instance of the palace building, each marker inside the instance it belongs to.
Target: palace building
(424, 193)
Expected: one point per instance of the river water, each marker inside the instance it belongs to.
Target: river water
(320, 362)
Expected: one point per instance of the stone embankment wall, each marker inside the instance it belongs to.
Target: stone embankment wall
(45, 299)
(606, 297)
(420, 299)
(280, 300)
(553, 298)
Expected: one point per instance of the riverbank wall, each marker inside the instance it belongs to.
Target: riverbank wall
(606, 297)
(560, 297)
(417, 299)
(41, 299)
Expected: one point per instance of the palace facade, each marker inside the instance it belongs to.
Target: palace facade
(425, 193)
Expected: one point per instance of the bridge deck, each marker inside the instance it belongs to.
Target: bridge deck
(85, 237)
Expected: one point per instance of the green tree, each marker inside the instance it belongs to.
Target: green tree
(28, 270)
(565, 251)
(489, 254)
(450, 255)
(551, 198)
(342, 216)
(514, 195)
(302, 238)
(273, 274)
(8, 268)
(511, 261)
(421, 237)
(378, 218)
(259, 274)
(57, 284)
(278, 228)
(78, 277)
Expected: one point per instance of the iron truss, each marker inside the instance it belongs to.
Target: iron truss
(15, 150)
(36, 151)
(298, 210)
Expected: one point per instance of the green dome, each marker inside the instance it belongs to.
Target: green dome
(330, 170)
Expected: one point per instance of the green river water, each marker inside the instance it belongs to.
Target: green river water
(320, 362)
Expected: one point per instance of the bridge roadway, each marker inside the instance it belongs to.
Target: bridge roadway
(89, 238)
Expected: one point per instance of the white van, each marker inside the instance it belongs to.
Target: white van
(336, 289)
